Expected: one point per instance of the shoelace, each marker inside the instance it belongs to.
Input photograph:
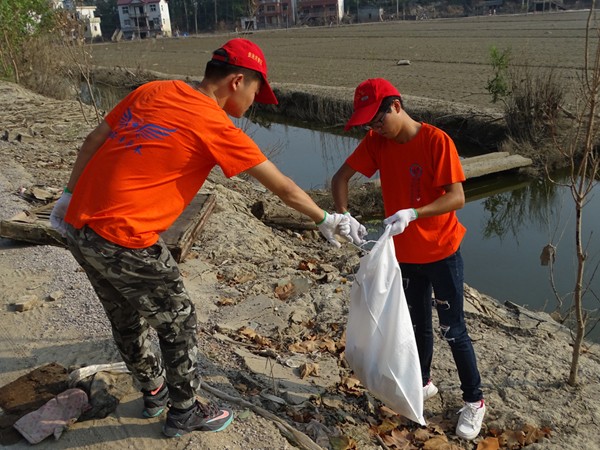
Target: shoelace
(470, 411)
(209, 409)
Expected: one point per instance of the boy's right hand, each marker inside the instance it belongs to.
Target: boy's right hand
(357, 230)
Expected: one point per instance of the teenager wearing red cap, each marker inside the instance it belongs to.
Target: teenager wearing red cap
(421, 183)
(134, 175)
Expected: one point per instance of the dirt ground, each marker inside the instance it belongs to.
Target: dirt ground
(273, 305)
(449, 58)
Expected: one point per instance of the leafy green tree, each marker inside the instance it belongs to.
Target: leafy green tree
(20, 21)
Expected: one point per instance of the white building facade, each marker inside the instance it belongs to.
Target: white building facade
(284, 13)
(141, 19)
(91, 24)
(85, 15)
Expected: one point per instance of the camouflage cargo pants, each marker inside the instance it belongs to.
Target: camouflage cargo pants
(142, 288)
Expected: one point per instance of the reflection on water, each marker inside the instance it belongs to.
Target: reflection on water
(506, 234)
(523, 202)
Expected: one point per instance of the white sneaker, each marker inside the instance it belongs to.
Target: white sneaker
(470, 420)
(429, 390)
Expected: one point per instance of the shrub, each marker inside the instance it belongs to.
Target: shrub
(533, 105)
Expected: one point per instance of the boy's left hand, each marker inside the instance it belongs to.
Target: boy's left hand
(400, 220)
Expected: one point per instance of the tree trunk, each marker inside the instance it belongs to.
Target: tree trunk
(578, 297)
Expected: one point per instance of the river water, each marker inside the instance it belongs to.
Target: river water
(509, 220)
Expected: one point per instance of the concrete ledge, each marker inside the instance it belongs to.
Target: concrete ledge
(489, 163)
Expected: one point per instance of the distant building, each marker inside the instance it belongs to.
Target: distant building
(141, 19)
(91, 24)
(275, 13)
(320, 12)
(85, 15)
(284, 13)
(248, 23)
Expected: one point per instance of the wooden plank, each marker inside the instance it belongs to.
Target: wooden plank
(182, 234)
(33, 226)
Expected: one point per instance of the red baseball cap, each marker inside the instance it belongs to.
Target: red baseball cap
(367, 100)
(244, 53)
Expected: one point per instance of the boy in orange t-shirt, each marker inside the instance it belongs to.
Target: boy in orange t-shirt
(134, 175)
(421, 183)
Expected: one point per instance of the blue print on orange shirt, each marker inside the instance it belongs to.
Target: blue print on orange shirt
(128, 125)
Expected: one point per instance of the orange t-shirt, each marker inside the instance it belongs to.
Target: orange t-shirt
(166, 137)
(412, 175)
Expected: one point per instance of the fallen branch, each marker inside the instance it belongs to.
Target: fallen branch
(300, 439)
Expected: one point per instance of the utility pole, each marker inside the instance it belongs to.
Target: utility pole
(215, 15)
(196, 15)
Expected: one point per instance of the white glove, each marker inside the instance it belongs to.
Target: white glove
(357, 230)
(332, 224)
(400, 220)
(57, 216)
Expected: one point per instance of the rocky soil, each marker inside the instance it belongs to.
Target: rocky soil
(273, 305)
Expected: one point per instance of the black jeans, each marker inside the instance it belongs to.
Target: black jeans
(445, 278)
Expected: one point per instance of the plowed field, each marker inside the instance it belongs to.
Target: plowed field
(449, 58)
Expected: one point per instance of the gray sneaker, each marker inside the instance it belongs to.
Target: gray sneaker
(202, 417)
(155, 401)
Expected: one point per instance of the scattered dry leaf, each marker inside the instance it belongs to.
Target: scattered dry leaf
(329, 345)
(534, 434)
(438, 442)
(309, 346)
(252, 335)
(489, 443)
(226, 302)
(386, 426)
(422, 435)
(342, 443)
(285, 291)
(397, 439)
(310, 265)
(512, 439)
(350, 382)
(350, 386)
(308, 369)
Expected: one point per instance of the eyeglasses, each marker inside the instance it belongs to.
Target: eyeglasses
(376, 123)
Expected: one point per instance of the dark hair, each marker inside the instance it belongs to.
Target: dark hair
(386, 104)
(219, 69)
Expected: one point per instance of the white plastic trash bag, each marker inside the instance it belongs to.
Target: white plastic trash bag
(380, 341)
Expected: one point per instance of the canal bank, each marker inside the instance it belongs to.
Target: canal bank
(329, 107)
